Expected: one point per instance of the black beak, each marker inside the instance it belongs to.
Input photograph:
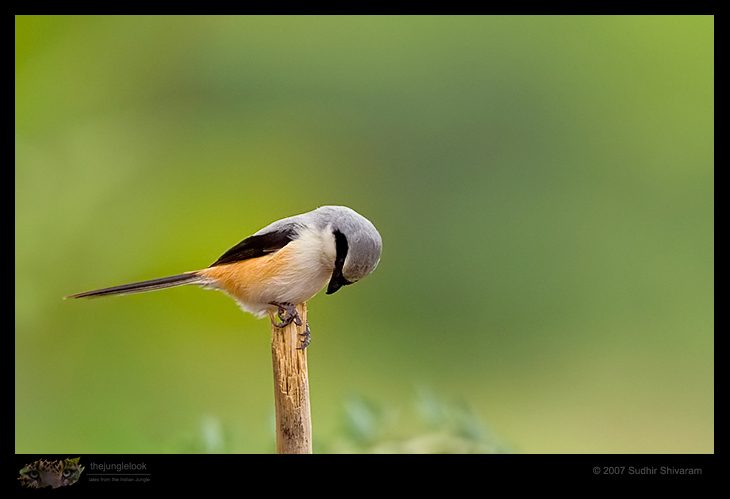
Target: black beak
(337, 281)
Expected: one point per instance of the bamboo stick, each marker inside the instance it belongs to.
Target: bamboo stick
(291, 387)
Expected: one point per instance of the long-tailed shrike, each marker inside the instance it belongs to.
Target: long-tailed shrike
(283, 264)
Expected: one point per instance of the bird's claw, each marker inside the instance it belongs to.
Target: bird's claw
(287, 314)
(307, 337)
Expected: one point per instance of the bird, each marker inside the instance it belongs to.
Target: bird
(282, 265)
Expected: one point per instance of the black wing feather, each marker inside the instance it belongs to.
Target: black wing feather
(256, 246)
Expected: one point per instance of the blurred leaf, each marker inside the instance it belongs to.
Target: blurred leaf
(435, 426)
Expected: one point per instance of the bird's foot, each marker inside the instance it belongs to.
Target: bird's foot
(307, 337)
(287, 314)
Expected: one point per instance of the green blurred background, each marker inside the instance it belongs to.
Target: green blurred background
(544, 187)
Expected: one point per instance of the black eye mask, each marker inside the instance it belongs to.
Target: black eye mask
(338, 280)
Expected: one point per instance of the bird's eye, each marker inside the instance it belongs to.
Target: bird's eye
(33, 474)
(67, 473)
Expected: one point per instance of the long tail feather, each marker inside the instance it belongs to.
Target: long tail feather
(143, 286)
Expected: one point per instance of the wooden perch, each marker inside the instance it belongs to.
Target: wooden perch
(291, 388)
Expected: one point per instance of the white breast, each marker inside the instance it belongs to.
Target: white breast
(309, 262)
(312, 261)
